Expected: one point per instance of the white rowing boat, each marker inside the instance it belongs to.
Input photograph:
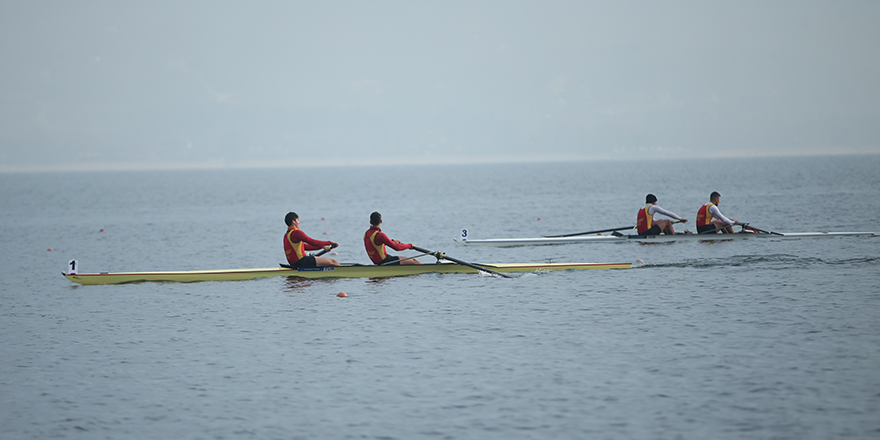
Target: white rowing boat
(623, 238)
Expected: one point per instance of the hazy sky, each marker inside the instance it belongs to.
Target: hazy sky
(94, 85)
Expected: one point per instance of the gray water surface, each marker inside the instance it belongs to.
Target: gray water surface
(748, 339)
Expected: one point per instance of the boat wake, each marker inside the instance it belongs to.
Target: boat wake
(773, 261)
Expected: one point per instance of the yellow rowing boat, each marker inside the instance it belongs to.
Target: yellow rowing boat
(344, 271)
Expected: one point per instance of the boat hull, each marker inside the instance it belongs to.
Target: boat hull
(541, 241)
(345, 271)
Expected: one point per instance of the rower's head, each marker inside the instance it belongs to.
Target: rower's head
(290, 217)
(650, 198)
(375, 219)
(715, 197)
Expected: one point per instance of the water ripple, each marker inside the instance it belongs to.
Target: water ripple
(772, 261)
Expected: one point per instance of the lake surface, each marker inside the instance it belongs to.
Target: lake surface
(747, 339)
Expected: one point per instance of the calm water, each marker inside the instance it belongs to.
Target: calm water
(752, 339)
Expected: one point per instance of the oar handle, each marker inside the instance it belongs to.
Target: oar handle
(440, 255)
(322, 252)
(435, 254)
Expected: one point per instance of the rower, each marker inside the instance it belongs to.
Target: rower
(710, 220)
(648, 226)
(375, 241)
(296, 242)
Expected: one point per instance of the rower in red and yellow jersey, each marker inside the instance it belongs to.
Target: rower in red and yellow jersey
(375, 241)
(296, 243)
(709, 217)
(645, 220)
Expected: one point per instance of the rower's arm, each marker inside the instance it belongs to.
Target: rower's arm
(717, 213)
(657, 209)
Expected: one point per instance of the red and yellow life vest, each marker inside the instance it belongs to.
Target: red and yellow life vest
(376, 251)
(294, 250)
(644, 220)
(704, 217)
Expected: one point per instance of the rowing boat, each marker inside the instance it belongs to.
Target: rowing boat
(505, 242)
(344, 271)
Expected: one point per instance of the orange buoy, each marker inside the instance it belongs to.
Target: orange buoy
(323, 218)
(50, 249)
(341, 295)
(102, 229)
(539, 218)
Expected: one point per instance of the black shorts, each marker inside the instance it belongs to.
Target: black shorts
(707, 229)
(655, 230)
(390, 260)
(307, 261)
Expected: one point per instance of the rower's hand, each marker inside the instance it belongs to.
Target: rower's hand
(684, 220)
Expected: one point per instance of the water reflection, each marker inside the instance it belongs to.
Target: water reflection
(297, 284)
(377, 281)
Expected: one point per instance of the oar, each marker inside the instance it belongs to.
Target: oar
(402, 260)
(440, 255)
(589, 232)
(715, 231)
(746, 225)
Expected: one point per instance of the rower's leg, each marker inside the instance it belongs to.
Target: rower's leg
(324, 261)
(722, 227)
(666, 227)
